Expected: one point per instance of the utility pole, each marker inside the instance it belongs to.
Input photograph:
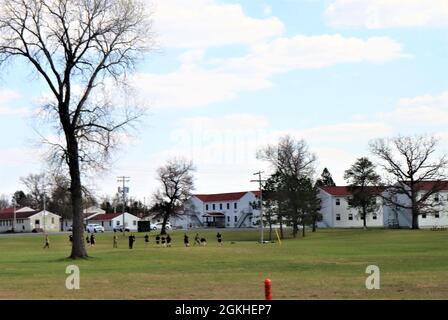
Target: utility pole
(260, 181)
(123, 190)
(15, 216)
(44, 186)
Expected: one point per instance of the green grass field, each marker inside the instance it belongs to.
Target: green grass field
(329, 264)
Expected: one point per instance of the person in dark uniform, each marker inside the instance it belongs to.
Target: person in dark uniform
(157, 240)
(197, 240)
(186, 241)
(47, 242)
(92, 240)
(146, 238)
(115, 241)
(131, 241)
(163, 241)
(219, 236)
(203, 242)
(70, 238)
(88, 239)
(168, 240)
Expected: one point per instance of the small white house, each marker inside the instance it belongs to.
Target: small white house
(337, 213)
(86, 215)
(111, 220)
(27, 219)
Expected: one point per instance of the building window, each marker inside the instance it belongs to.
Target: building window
(338, 217)
(118, 222)
(437, 215)
(374, 217)
(52, 220)
(134, 222)
(350, 201)
(110, 223)
(214, 207)
(436, 198)
(236, 219)
(228, 206)
(235, 205)
(338, 202)
(350, 216)
(206, 207)
(37, 222)
(102, 223)
(228, 218)
(220, 206)
(423, 215)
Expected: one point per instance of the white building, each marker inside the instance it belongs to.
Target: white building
(111, 220)
(223, 210)
(336, 212)
(395, 216)
(28, 219)
(86, 215)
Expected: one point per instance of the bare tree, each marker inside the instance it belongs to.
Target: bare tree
(36, 185)
(4, 201)
(289, 157)
(177, 183)
(414, 172)
(75, 46)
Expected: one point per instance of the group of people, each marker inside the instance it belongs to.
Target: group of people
(201, 241)
(161, 240)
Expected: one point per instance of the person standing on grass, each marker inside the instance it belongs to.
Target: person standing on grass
(88, 239)
(197, 240)
(163, 241)
(146, 238)
(115, 240)
(186, 241)
(168, 240)
(92, 240)
(47, 242)
(157, 240)
(219, 236)
(70, 238)
(131, 241)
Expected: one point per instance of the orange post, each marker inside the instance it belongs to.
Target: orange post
(268, 289)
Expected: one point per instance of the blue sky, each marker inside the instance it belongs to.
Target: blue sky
(231, 76)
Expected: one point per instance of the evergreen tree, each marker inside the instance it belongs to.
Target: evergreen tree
(325, 180)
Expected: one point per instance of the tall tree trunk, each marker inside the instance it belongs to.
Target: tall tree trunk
(303, 229)
(314, 224)
(281, 228)
(295, 229)
(270, 230)
(165, 220)
(415, 214)
(78, 247)
(364, 216)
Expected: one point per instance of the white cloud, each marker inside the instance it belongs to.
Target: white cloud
(314, 52)
(7, 96)
(377, 14)
(200, 82)
(208, 23)
(426, 110)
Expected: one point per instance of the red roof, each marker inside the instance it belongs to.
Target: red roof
(8, 214)
(105, 216)
(344, 191)
(429, 185)
(224, 196)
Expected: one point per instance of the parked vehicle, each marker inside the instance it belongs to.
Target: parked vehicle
(158, 226)
(120, 229)
(94, 228)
